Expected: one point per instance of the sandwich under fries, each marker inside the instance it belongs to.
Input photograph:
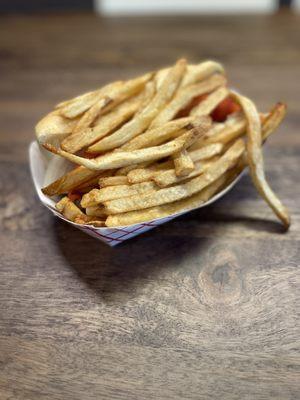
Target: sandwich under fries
(156, 145)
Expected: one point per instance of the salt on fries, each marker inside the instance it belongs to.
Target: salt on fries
(156, 145)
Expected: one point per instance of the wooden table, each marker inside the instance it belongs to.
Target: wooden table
(203, 307)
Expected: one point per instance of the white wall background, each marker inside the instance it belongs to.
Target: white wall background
(142, 7)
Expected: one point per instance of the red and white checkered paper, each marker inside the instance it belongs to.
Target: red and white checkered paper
(39, 161)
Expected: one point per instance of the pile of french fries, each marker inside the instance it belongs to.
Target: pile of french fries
(156, 145)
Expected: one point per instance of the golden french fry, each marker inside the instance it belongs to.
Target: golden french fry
(165, 210)
(53, 128)
(96, 211)
(83, 103)
(112, 96)
(156, 136)
(73, 179)
(169, 177)
(122, 159)
(81, 98)
(69, 210)
(183, 163)
(210, 103)
(148, 95)
(90, 115)
(178, 192)
(255, 159)
(138, 175)
(142, 120)
(113, 181)
(195, 73)
(273, 120)
(184, 96)
(97, 196)
(206, 151)
(106, 124)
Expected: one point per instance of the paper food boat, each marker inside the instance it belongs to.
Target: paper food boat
(42, 171)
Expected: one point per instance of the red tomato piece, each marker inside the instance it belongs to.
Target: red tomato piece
(74, 195)
(226, 107)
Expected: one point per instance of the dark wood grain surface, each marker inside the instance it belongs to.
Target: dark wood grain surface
(204, 307)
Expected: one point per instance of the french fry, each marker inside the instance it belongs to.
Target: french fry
(157, 136)
(53, 128)
(148, 95)
(111, 97)
(178, 192)
(138, 175)
(135, 217)
(69, 210)
(89, 117)
(96, 211)
(97, 196)
(183, 163)
(122, 159)
(169, 177)
(73, 179)
(273, 120)
(74, 99)
(195, 73)
(106, 124)
(83, 103)
(141, 121)
(255, 159)
(113, 181)
(184, 96)
(210, 103)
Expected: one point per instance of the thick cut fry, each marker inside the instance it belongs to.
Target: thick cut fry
(73, 179)
(113, 181)
(183, 163)
(138, 175)
(255, 159)
(169, 177)
(141, 121)
(184, 97)
(111, 98)
(210, 103)
(83, 103)
(165, 210)
(122, 159)
(148, 95)
(89, 116)
(96, 211)
(273, 120)
(106, 124)
(195, 73)
(97, 196)
(154, 137)
(206, 152)
(86, 95)
(168, 195)
(69, 210)
(88, 185)
(53, 128)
